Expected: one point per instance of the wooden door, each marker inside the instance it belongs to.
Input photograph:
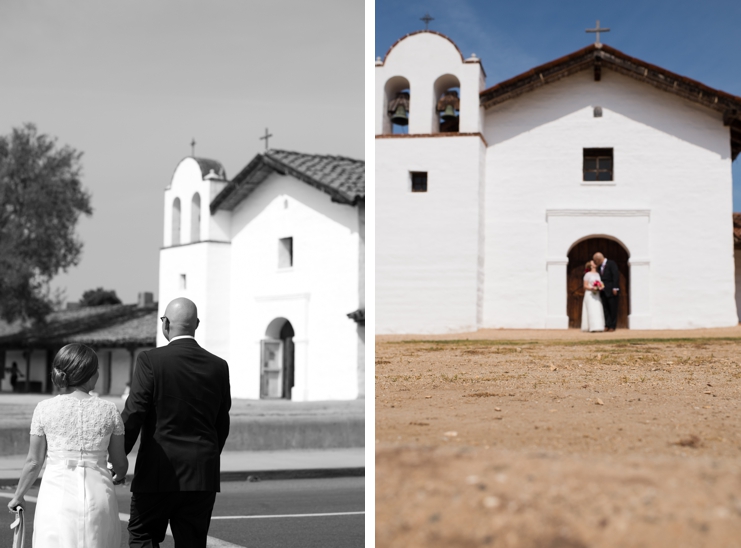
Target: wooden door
(271, 377)
(578, 256)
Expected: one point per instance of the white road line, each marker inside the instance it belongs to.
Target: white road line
(27, 498)
(290, 515)
(211, 542)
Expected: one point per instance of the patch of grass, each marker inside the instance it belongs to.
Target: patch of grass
(597, 342)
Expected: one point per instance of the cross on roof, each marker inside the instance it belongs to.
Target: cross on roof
(427, 20)
(597, 30)
(193, 147)
(266, 137)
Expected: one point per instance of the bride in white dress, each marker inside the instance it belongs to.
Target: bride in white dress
(75, 432)
(592, 313)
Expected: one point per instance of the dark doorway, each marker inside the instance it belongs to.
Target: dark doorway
(578, 256)
(277, 360)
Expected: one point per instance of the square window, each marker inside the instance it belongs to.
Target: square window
(285, 253)
(419, 181)
(597, 164)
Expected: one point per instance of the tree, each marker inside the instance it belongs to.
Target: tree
(41, 200)
(98, 297)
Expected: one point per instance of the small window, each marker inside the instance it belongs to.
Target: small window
(182, 282)
(285, 253)
(419, 181)
(598, 164)
(598, 112)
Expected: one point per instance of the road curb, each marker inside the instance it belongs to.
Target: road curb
(257, 475)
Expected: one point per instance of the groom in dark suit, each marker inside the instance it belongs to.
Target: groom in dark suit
(179, 401)
(610, 276)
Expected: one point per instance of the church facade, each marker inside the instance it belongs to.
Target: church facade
(274, 260)
(489, 201)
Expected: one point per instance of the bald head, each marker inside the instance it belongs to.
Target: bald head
(182, 318)
(598, 258)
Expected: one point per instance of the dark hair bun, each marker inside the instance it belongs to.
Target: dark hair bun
(59, 378)
(74, 365)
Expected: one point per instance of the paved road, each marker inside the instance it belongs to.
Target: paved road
(236, 520)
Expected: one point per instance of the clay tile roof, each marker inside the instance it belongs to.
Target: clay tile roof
(593, 57)
(358, 316)
(211, 167)
(108, 325)
(340, 177)
(737, 229)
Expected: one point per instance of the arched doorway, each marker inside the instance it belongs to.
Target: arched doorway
(277, 360)
(578, 256)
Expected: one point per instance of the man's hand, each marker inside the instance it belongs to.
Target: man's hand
(615, 291)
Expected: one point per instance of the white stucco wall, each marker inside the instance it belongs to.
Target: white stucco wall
(206, 266)
(315, 295)
(671, 197)
(428, 243)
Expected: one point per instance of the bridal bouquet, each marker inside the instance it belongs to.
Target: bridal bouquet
(598, 285)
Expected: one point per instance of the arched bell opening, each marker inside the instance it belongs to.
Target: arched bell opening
(195, 218)
(397, 105)
(447, 91)
(176, 221)
(581, 252)
(277, 360)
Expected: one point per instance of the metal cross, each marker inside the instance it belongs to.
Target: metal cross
(266, 137)
(427, 20)
(193, 147)
(597, 30)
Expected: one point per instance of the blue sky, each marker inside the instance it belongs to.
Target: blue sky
(131, 83)
(700, 40)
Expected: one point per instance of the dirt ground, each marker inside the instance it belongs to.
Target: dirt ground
(560, 443)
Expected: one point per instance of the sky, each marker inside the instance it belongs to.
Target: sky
(696, 39)
(131, 83)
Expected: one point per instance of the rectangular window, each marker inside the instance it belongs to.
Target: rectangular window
(182, 282)
(285, 253)
(419, 181)
(598, 164)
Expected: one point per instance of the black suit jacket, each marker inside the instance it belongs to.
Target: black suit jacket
(179, 401)
(610, 277)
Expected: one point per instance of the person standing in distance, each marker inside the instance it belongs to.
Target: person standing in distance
(179, 401)
(610, 275)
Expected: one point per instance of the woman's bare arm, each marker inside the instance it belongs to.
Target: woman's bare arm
(117, 457)
(31, 470)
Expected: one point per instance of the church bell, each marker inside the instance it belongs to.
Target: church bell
(400, 117)
(448, 113)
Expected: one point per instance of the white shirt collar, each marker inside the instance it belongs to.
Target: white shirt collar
(181, 337)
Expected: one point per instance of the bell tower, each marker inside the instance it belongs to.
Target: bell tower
(430, 154)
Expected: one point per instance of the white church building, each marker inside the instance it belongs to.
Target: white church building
(489, 200)
(274, 260)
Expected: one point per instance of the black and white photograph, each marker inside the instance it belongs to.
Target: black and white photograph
(182, 274)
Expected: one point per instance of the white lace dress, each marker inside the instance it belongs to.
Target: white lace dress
(77, 505)
(592, 312)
